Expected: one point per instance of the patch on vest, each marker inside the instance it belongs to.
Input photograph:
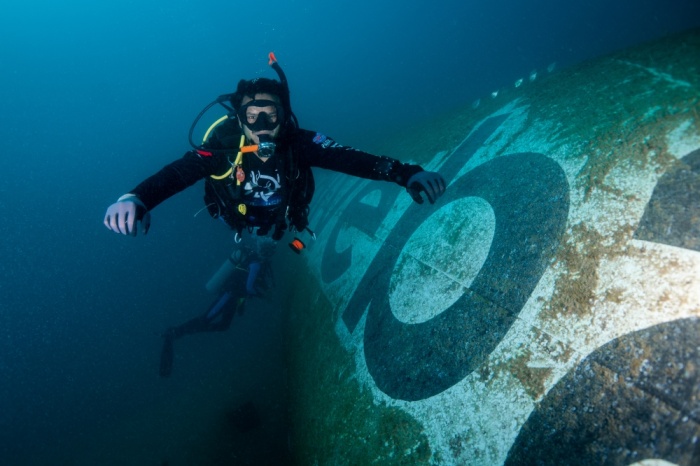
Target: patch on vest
(324, 141)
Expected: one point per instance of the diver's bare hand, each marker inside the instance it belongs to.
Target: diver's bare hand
(123, 216)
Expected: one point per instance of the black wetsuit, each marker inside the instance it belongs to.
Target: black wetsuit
(263, 192)
(311, 149)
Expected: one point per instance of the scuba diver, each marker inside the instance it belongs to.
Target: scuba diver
(256, 162)
(246, 273)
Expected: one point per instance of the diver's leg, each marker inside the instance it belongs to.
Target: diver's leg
(217, 318)
(253, 271)
(225, 316)
(206, 322)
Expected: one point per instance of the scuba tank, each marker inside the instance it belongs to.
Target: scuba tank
(217, 281)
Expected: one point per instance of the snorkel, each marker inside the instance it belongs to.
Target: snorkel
(285, 117)
(286, 102)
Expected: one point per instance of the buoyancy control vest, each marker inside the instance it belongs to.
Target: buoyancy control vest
(224, 196)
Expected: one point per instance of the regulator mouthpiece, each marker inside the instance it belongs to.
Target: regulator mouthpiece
(266, 146)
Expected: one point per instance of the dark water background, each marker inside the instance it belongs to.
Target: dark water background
(94, 96)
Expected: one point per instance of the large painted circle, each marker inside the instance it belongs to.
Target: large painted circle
(629, 400)
(529, 195)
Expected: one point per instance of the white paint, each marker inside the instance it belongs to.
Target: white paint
(660, 75)
(432, 272)
(683, 140)
(653, 462)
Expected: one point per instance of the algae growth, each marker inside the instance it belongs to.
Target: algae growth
(335, 421)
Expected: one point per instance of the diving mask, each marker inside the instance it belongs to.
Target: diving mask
(261, 120)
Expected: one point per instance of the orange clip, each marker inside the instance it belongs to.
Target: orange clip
(297, 245)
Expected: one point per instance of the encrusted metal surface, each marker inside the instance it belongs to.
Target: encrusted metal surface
(546, 308)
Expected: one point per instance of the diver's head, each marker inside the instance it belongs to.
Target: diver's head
(258, 105)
